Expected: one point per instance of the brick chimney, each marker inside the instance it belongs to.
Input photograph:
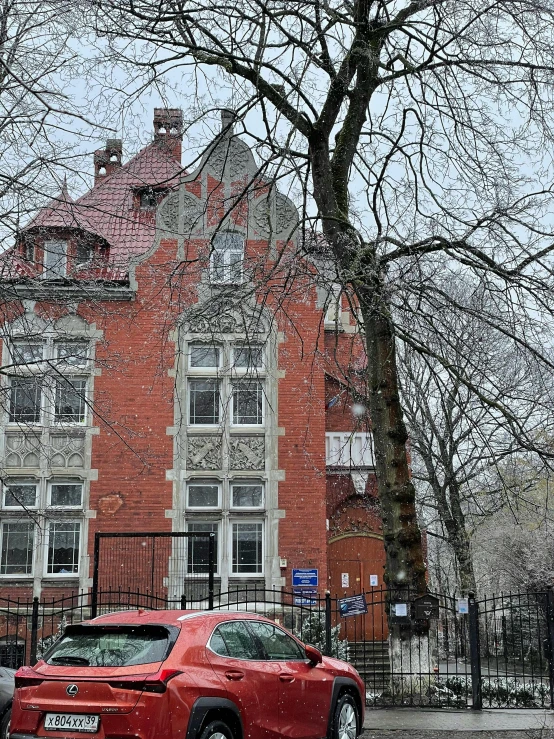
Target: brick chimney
(168, 130)
(107, 160)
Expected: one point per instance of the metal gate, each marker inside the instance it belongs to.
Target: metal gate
(168, 566)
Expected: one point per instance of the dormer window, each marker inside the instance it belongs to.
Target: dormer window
(28, 251)
(83, 253)
(227, 257)
(148, 199)
(55, 259)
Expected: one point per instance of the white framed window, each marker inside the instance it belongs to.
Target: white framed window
(55, 259)
(204, 402)
(246, 494)
(333, 310)
(248, 358)
(204, 356)
(70, 403)
(20, 494)
(198, 547)
(227, 256)
(63, 547)
(17, 547)
(247, 548)
(65, 494)
(72, 353)
(25, 352)
(247, 403)
(203, 494)
(25, 399)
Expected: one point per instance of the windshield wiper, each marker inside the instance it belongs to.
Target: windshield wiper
(69, 660)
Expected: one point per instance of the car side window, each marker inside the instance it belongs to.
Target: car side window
(236, 639)
(276, 643)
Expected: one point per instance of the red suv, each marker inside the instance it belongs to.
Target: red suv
(185, 675)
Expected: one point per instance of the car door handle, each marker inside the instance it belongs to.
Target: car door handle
(234, 675)
(286, 677)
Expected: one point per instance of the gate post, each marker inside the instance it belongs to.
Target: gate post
(328, 640)
(550, 631)
(34, 632)
(474, 653)
(211, 567)
(94, 593)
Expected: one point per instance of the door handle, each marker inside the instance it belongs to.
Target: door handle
(286, 677)
(234, 675)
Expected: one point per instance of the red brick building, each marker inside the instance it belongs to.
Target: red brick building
(172, 364)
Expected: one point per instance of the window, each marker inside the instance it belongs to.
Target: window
(247, 545)
(83, 253)
(276, 644)
(203, 495)
(148, 200)
(24, 352)
(226, 258)
(66, 494)
(235, 638)
(199, 547)
(248, 357)
(74, 353)
(247, 403)
(204, 402)
(55, 259)
(17, 548)
(70, 400)
(205, 356)
(247, 495)
(29, 251)
(20, 494)
(25, 399)
(333, 311)
(63, 547)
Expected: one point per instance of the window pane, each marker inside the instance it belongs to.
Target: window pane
(248, 357)
(55, 258)
(204, 356)
(83, 253)
(204, 401)
(199, 548)
(66, 494)
(235, 266)
(218, 266)
(203, 495)
(227, 256)
(74, 353)
(276, 644)
(247, 496)
(25, 399)
(247, 547)
(63, 547)
(25, 353)
(70, 400)
(238, 640)
(217, 643)
(20, 494)
(247, 403)
(17, 548)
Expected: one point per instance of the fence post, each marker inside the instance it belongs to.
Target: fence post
(94, 593)
(183, 602)
(328, 641)
(211, 567)
(474, 652)
(550, 630)
(34, 632)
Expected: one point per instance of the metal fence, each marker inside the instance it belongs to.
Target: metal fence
(498, 655)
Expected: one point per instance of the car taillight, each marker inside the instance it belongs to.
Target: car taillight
(27, 682)
(158, 683)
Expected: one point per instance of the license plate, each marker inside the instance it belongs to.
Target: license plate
(85, 722)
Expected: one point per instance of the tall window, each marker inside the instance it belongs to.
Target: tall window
(247, 548)
(25, 399)
(63, 547)
(204, 402)
(247, 403)
(227, 257)
(17, 548)
(70, 404)
(55, 259)
(198, 547)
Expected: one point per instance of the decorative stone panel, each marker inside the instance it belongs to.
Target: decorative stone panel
(190, 217)
(247, 453)
(66, 451)
(231, 155)
(282, 223)
(204, 453)
(22, 450)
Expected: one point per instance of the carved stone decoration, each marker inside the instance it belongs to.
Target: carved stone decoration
(247, 453)
(231, 156)
(22, 450)
(192, 213)
(168, 213)
(204, 453)
(66, 451)
(172, 220)
(286, 216)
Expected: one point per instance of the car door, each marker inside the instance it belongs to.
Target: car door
(251, 682)
(304, 690)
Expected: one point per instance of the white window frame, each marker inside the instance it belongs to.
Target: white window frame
(197, 482)
(62, 575)
(245, 522)
(69, 378)
(64, 481)
(227, 252)
(47, 270)
(199, 345)
(40, 381)
(22, 481)
(201, 378)
(18, 575)
(246, 483)
(247, 370)
(212, 522)
(254, 381)
(84, 363)
(26, 342)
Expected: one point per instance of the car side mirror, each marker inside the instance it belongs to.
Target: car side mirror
(314, 655)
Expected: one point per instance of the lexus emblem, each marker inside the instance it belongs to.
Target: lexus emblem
(72, 690)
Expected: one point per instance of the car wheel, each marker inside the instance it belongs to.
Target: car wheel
(5, 724)
(214, 730)
(345, 720)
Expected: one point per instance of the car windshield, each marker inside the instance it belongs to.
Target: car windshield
(111, 646)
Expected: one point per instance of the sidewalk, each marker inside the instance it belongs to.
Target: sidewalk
(400, 723)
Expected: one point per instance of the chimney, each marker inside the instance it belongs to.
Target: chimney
(107, 160)
(227, 120)
(168, 130)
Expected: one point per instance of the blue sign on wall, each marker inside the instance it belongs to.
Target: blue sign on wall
(308, 578)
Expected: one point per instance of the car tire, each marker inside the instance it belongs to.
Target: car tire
(213, 730)
(5, 724)
(345, 718)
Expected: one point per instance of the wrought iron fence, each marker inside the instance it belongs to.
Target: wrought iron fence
(499, 655)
